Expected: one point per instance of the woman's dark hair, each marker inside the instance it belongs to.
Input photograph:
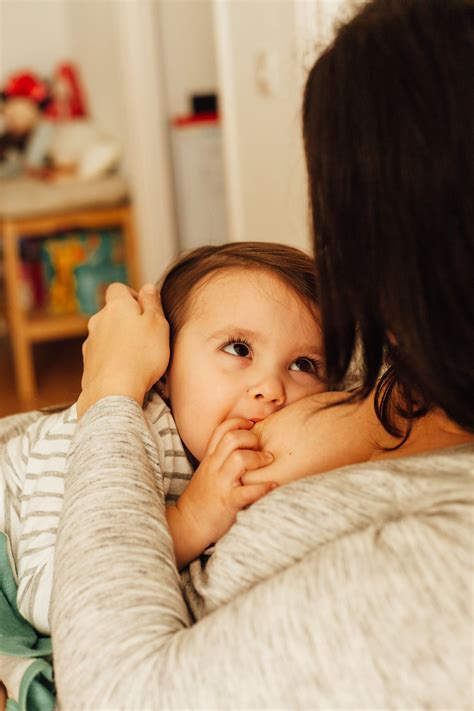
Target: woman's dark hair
(388, 130)
(178, 286)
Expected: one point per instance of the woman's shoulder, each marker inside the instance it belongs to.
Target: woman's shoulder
(417, 504)
(369, 493)
(369, 563)
(412, 483)
(454, 462)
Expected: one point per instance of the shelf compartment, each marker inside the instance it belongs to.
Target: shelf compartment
(42, 326)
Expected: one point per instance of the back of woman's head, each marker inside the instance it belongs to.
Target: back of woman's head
(191, 271)
(388, 128)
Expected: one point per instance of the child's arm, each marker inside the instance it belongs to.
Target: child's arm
(209, 505)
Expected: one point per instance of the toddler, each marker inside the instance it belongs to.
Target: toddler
(245, 341)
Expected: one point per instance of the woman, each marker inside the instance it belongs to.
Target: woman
(351, 589)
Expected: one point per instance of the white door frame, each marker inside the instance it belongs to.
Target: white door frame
(148, 151)
(307, 19)
(225, 59)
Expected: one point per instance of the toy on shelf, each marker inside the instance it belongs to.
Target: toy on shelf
(32, 285)
(61, 257)
(47, 132)
(79, 150)
(78, 268)
(104, 266)
(23, 100)
(67, 95)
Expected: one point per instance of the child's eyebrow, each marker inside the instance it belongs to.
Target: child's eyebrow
(236, 331)
(233, 330)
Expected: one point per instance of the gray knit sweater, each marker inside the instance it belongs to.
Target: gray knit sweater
(349, 590)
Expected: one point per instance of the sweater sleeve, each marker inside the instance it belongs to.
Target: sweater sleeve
(354, 624)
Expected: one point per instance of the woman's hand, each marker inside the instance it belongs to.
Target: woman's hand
(305, 438)
(127, 349)
(210, 503)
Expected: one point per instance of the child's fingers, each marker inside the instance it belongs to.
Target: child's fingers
(234, 423)
(243, 460)
(258, 476)
(231, 442)
(243, 496)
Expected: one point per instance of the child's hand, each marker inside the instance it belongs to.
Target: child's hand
(127, 349)
(209, 505)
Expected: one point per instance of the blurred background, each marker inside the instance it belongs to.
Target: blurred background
(131, 130)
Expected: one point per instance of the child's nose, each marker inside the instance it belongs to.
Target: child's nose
(270, 391)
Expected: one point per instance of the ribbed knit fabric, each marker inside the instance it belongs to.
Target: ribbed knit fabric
(32, 466)
(349, 590)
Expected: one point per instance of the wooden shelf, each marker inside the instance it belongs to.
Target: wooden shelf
(28, 329)
(95, 219)
(43, 326)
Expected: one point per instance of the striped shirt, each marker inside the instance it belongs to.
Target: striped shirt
(32, 466)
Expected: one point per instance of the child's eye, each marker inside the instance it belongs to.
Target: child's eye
(305, 365)
(237, 348)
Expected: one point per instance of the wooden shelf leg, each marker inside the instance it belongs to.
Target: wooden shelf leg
(22, 350)
(24, 369)
(131, 248)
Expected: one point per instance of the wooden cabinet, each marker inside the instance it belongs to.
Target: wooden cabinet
(25, 328)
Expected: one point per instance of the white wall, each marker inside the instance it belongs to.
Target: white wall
(38, 34)
(265, 168)
(117, 44)
(147, 141)
(34, 34)
(94, 46)
(187, 45)
(114, 43)
(263, 138)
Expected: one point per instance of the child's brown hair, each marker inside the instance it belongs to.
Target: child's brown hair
(291, 265)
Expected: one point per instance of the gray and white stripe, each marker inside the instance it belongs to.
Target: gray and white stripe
(33, 460)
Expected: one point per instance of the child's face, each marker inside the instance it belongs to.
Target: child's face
(249, 347)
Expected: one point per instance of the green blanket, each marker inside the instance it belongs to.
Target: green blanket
(22, 646)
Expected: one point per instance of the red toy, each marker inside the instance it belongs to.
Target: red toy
(23, 99)
(27, 86)
(68, 100)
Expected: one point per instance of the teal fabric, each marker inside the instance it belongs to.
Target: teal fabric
(19, 639)
(37, 691)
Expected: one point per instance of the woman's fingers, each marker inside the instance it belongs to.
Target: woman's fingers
(150, 302)
(119, 291)
(150, 299)
(243, 496)
(127, 348)
(92, 322)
